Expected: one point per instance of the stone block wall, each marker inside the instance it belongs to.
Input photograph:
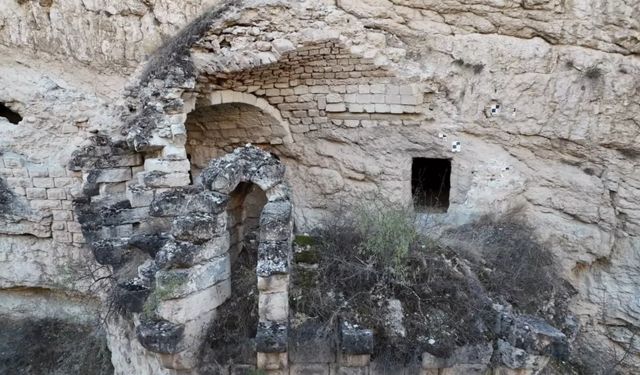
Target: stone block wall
(177, 242)
(325, 85)
(45, 193)
(299, 94)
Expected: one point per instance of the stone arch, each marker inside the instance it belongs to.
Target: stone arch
(229, 96)
(192, 268)
(224, 120)
(209, 54)
(223, 176)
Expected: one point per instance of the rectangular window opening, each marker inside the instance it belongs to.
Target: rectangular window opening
(430, 184)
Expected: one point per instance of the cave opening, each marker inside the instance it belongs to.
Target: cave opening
(12, 116)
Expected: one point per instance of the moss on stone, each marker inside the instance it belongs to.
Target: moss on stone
(160, 293)
(306, 256)
(303, 240)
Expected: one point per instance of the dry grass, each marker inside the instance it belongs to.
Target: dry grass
(230, 339)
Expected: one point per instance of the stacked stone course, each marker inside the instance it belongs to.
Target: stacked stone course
(47, 193)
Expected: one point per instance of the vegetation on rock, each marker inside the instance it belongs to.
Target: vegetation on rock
(369, 257)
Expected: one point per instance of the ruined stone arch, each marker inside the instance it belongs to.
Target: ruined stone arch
(220, 56)
(223, 120)
(281, 127)
(189, 276)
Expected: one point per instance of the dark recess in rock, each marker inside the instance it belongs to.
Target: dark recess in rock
(131, 297)
(12, 116)
(6, 198)
(149, 243)
(109, 252)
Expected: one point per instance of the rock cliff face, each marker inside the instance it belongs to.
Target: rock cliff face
(109, 108)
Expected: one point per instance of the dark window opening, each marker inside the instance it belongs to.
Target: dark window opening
(10, 115)
(430, 184)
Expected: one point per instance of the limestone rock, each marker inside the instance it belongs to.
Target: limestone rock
(535, 103)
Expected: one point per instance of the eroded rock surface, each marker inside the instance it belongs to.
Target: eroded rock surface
(534, 102)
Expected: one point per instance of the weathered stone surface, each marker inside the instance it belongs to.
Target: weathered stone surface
(273, 307)
(275, 221)
(273, 258)
(533, 334)
(271, 337)
(112, 214)
(509, 81)
(182, 201)
(395, 318)
(16, 217)
(244, 164)
(355, 340)
(178, 283)
(516, 358)
(158, 179)
(275, 283)
(196, 304)
(160, 336)
(198, 227)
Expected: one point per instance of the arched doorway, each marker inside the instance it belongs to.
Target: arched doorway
(243, 218)
(231, 338)
(254, 319)
(219, 124)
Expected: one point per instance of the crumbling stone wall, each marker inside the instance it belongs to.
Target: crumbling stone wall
(172, 262)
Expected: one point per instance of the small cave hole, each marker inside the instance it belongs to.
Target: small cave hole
(9, 114)
(430, 184)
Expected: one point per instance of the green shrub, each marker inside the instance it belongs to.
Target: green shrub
(372, 253)
(387, 234)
